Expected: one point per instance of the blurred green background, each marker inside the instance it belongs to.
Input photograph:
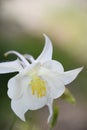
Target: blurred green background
(22, 24)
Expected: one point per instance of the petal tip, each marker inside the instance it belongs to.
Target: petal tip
(23, 119)
(80, 69)
(5, 54)
(45, 35)
(71, 75)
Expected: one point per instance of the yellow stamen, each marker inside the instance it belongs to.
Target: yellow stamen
(38, 87)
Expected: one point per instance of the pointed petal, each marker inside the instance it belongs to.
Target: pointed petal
(54, 66)
(47, 51)
(11, 66)
(68, 76)
(19, 55)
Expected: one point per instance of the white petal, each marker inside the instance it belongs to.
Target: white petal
(27, 102)
(29, 58)
(19, 108)
(22, 98)
(54, 66)
(55, 86)
(15, 89)
(68, 76)
(12, 66)
(47, 51)
(34, 102)
(19, 55)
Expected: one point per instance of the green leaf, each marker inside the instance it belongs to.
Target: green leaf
(67, 96)
(54, 117)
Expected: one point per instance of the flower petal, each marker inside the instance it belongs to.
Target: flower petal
(54, 66)
(68, 76)
(12, 66)
(55, 86)
(14, 87)
(47, 51)
(34, 102)
(22, 58)
(21, 94)
(27, 102)
(19, 108)
(30, 58)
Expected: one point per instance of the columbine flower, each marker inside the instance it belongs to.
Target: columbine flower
(38, 82)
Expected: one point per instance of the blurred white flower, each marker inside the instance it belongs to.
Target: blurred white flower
(38, 82)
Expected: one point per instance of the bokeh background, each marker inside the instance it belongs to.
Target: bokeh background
(22, 24)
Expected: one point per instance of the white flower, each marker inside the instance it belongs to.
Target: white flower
(38, 81)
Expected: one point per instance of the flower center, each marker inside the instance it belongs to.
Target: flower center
(38, 87)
